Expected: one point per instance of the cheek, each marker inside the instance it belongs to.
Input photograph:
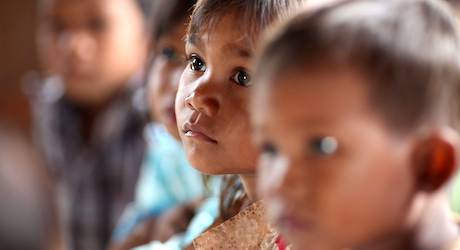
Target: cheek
(373, 181)
(156, 82)
(47, 47)
(238, 135)
(182, 92)
(168, 84)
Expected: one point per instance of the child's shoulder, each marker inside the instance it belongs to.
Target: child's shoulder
(455, 245)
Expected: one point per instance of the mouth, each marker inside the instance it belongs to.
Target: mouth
(196, 132)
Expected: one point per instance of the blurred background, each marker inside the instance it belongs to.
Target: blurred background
(17, 57)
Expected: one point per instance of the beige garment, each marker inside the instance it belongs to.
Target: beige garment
(248, 230)
(455, 245)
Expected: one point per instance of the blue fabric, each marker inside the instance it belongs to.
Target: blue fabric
(203, 219)
(166, 180)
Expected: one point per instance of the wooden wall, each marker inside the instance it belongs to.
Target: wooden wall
(17, 57)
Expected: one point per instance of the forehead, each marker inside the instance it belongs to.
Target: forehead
(322, 95)
(84, 7)
(226, 32)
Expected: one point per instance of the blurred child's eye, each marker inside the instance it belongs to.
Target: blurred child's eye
(172, 55)
(242, 78)
(169, 53)
(57, 27)
(96, 24)
(324, 145)
(269, 149)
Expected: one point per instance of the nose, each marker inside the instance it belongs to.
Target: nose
(205, 98)
(78, 45)
(283, 177)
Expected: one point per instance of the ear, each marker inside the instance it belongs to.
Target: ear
(435, 159)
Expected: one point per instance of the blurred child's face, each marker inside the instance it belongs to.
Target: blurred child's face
(167, 67)
(94, 45)
(332, 173)
(212, 100)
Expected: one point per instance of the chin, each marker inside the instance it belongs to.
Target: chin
(207, 166)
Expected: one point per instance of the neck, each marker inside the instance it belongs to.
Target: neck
(430, 227)
(249, 183)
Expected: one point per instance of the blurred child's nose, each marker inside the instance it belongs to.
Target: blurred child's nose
(287, 180)
(78, 45)
(204, 98)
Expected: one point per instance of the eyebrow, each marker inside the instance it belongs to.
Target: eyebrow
(230, 48)
(234, 48)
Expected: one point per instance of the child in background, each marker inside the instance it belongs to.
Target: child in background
(212, 101)
(87, 124)
(169, 190)
(354, 112)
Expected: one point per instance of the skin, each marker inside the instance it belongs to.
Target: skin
(95, 46)
(363, 194)
(212, 102)
(164, 77)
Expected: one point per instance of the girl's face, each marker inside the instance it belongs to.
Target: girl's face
(167, 67)
(332, 173)
(95, 46)
(212, 100)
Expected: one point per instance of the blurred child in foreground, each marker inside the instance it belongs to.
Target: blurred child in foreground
(354, 109)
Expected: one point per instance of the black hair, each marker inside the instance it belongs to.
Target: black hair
(254, 15)
(167, 14)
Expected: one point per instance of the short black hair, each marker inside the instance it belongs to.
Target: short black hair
(166, 14)
(254, 14)
(409, 50)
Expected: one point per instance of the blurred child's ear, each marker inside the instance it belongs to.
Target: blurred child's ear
(435, 159)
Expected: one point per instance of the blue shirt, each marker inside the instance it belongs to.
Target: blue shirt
(166, 180)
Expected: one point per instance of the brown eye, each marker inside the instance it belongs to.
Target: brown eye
(269, 149)
(324, 145)
(196, 64)
(242, 78)
(97, 24)
(57, 26)
(169, 53)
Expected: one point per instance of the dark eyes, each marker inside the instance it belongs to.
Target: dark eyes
(196, 64)
(324, 145)
(172, 55)
(97, 24)
(242, 78)
(269, 149)
(321, 146)
(169, 53)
